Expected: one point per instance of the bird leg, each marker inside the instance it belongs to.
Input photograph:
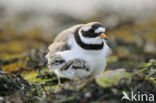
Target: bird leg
(59, 81)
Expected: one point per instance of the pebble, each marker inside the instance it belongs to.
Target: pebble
(1, 99)
(88, 95)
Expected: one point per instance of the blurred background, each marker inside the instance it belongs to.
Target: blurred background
(27, 27)
(27, 24)
(38, 21)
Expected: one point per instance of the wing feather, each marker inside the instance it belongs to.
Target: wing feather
(60, 44)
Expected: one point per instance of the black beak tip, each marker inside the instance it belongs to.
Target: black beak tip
(106, 38)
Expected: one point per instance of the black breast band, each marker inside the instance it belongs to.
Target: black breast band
(87, 46)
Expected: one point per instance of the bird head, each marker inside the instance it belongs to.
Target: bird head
(93, 34)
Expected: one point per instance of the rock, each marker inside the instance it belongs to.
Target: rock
(11, 84)
(88, 95)
(112, 77)
(150, 47)
(1, 99)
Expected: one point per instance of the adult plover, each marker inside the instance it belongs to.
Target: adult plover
(79, 52)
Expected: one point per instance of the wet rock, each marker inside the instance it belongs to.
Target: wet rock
(143, 85)
(11, 84)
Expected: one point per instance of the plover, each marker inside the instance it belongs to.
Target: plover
(79, 52)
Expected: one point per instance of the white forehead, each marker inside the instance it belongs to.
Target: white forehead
(100, 29)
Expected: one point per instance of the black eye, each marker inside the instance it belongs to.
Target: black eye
(82, 31)
(91, 31)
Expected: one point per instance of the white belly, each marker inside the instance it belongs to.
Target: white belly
(96, 59)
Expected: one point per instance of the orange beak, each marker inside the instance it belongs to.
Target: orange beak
(102, 36)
